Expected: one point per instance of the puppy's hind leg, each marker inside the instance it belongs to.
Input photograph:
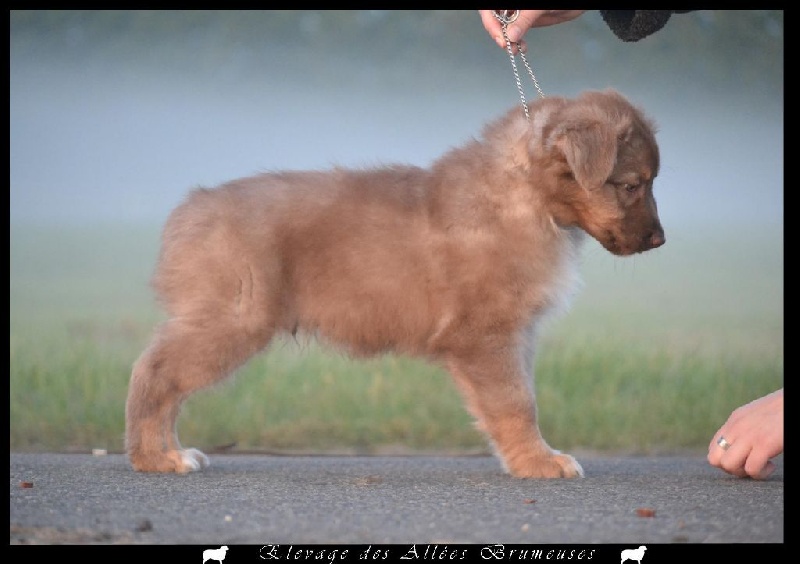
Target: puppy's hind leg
(185, 355)
(497, 390)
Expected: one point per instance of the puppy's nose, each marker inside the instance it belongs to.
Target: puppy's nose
(656, 239)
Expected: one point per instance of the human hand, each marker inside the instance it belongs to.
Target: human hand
(526, 20)
(755, 434)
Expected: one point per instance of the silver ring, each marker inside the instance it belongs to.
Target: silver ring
(723, 444)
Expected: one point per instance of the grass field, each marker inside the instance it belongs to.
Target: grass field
(655, 353)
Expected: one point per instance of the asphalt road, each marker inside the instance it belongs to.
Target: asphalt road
(284, 500)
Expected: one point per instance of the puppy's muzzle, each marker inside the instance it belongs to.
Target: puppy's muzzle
(645, 240)
(653, 239)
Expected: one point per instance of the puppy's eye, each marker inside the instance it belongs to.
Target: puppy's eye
(627, 187)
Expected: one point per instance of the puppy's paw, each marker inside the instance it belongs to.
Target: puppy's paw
(193, 460)
(556, 465)
(570, 468)
(177, 461)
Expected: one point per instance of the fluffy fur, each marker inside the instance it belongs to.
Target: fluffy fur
(456, 263)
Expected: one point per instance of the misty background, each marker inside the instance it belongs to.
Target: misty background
(115, 115)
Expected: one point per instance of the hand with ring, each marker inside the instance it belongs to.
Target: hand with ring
(753, 435)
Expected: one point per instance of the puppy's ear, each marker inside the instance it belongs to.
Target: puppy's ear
(590, 150)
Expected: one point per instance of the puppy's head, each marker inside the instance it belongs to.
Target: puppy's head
(602, 157)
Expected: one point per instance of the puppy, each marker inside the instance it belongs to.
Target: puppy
(456, 263)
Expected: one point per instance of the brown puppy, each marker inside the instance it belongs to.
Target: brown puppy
(456, 263)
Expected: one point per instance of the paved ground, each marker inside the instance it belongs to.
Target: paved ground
(265, 500)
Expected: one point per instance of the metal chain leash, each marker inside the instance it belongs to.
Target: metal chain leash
(506, 17)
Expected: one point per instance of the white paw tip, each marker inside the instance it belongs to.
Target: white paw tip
(194, 459)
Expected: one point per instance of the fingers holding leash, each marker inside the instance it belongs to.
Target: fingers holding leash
(518, 22)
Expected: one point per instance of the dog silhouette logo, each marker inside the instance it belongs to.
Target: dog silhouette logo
(633, 554)
(217, 554)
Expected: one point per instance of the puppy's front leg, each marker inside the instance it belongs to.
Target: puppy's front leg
(498, 391)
